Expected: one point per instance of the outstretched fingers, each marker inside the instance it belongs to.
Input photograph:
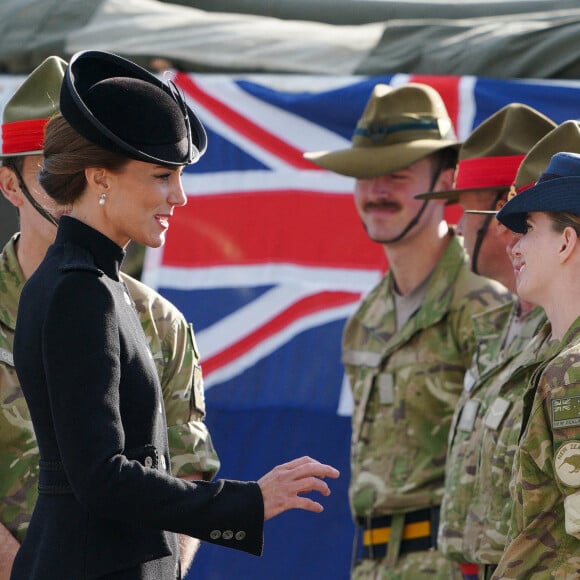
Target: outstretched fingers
(282, 488)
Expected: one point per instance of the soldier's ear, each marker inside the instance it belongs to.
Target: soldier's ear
(445, 179)
(10, 187)
(569, 243)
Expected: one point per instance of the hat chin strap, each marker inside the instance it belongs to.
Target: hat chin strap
(418, 215)
(410, 225)
(32, 201)
(481, 234)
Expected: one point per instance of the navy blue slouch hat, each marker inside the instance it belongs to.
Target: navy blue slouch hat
(124, 108)
(557, 189)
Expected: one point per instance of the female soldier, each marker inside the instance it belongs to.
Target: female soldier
(108, 506)
(545, 488)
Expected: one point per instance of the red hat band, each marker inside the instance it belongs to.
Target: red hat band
(487, 172)
(23, 136)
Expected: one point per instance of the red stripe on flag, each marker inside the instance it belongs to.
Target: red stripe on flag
(242, 125)
(281, 226)
(447, 87)
(306, 306)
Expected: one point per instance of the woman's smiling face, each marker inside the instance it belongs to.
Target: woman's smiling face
(534, 256)
(140, 202)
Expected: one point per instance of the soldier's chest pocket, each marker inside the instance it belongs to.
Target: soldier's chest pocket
(385, 385)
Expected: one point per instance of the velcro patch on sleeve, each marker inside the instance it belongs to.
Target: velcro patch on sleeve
(565, 412)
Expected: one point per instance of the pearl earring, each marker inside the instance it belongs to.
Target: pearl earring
(102, 199)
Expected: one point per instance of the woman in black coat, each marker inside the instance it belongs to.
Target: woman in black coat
(108, 506)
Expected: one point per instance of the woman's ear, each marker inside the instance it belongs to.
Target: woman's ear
(10, 187)
(97, 179)
(569, 241)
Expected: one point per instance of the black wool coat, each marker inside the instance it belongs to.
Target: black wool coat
(107, 501)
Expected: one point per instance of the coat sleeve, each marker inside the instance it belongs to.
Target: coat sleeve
(81, 348)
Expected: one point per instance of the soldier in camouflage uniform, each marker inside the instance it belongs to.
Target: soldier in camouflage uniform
(170, 337)
(489, 513)
(544, 538)
(489, 410)
(407, 347)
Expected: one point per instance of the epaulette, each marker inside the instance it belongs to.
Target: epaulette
(76, 258)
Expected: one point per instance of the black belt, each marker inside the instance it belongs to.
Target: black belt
(419, 533)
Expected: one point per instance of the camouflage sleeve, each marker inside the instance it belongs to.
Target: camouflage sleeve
(465, 310)
(190, 443)
(562, 408)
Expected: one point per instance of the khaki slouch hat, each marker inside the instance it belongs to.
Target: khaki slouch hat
(564, 137)
(29, 109)
(489, 158)
(398, 127)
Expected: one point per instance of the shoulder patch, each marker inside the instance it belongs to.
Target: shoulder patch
(565, 412)
(567, 463)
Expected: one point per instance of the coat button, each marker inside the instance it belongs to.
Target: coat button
(148, 461)
(240, 535)
(228, 535)
(215, 534)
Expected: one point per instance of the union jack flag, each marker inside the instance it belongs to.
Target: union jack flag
(267, 260)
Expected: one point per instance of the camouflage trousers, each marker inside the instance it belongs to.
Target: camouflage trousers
(427, 565)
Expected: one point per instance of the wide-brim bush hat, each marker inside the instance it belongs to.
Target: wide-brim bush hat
(27, 112)
(564, 137)
(557, 190)
(120, 106)
(398, 127)
(489, 158)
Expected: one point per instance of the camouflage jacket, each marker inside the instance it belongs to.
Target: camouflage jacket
(406, 384)
(484, 433)
(176, 356)
(545, 527)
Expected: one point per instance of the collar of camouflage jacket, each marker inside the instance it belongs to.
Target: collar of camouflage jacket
(438, 296)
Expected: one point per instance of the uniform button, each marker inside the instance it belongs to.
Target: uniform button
(228, 535)
(148, 461)
(240, 535)
(162, 461)
(215, 534)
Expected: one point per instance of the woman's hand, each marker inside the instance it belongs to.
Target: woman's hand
(282, 488)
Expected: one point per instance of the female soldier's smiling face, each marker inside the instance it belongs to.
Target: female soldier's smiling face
(535, 255)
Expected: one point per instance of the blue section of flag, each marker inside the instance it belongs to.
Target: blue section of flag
(335, 109)
(558, 101)
(304, 373)
(222, 154)
(205, 307)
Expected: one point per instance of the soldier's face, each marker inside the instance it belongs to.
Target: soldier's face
(535, 259)
(386, 204)
(140, 200)
(492, 247)
(36, 228)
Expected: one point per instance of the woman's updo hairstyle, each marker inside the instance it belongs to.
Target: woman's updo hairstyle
(66, 156)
